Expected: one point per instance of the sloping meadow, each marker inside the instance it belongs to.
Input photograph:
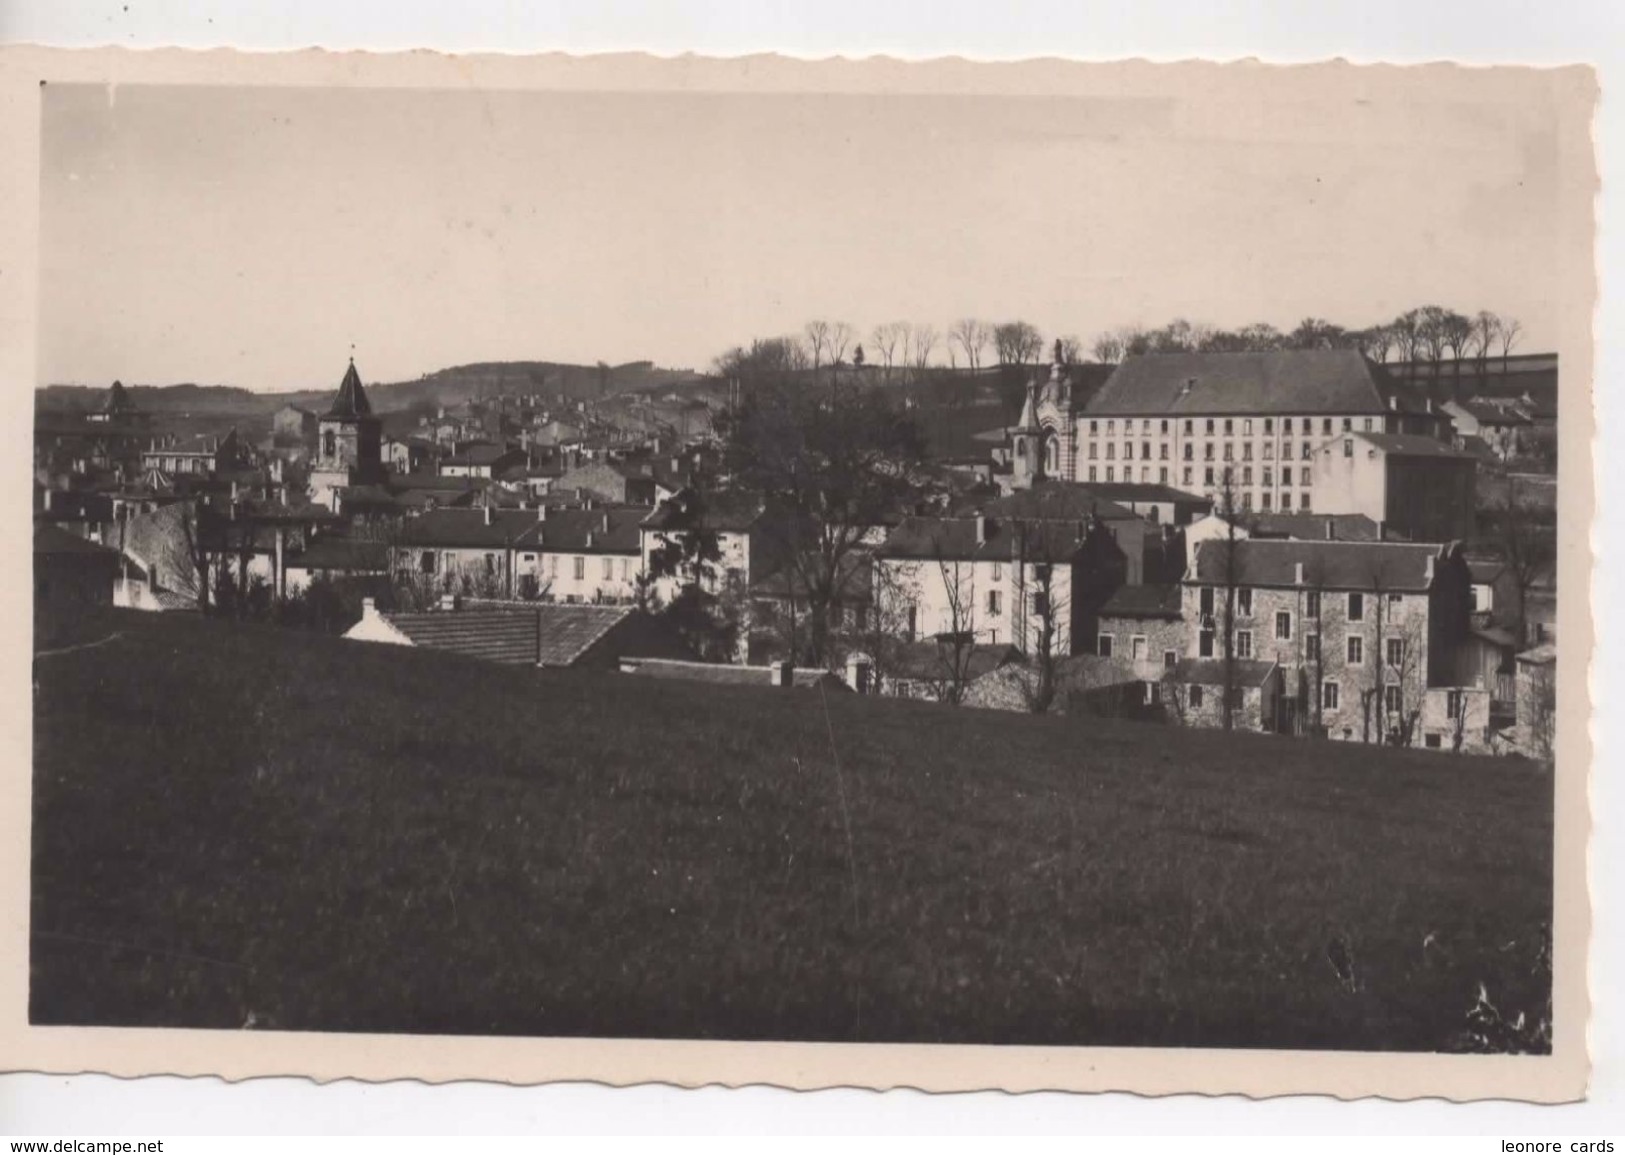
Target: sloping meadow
(244, 826)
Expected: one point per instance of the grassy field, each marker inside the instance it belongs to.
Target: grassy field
(237, 825)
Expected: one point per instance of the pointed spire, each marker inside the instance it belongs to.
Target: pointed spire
(1029, 409)
(351, 400)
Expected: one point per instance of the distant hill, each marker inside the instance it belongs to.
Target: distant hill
(450, 386)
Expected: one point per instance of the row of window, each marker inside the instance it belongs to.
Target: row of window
(1226, 451)
(1331, 697)
(1354, 646)
(430, 561)
(1210, 477)
(1228, 425)
(1354, 605)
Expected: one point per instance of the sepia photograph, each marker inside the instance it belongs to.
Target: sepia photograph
(916, 567)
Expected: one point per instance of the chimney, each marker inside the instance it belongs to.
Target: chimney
(677, 465)
(448, 602)
(1331, 530)
(48, 500)
(783, 674)
(606, 522)
(589, 539)
(234, 491)
(1393, 402)
(488, 511)
(1297, 573)
(541, 510)
(1382, 531)
(369, 608)
(981, 530)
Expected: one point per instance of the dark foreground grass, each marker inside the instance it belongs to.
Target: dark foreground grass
(241, 825)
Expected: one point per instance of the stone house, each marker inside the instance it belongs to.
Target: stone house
(1193, 695)
(1145, 627)
(1360, 630)
(71, 573)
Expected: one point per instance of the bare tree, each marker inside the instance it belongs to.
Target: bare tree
(1109, 348)
(887, 340)
(1071, 349)
(971, 336)
(957, 646)
(923, 340)
(1456, 336)
(1376, 342)
(1511, 332)
(1229, 579)
(818, 338)
(1017, 343)
(1526, 548)
(1043, 615)
(1486, 331)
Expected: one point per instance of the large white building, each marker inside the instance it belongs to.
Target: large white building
(1190, 420)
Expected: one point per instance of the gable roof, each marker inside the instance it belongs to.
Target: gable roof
(1210, 671)
(928, 660)
(1296, 381)
(1121, 491)
(351, 400)
(466, 528)
(1058, 501)
(955, 539)
(1146, 601)
(728, 511)
(545, 634)
(1411, 445)
(1340, 565)
(1312, 526)
(603, 530)
(49, 539)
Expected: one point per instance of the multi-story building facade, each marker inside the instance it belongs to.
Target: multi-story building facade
(1242, 425)
(1363, 631)
(581, 556)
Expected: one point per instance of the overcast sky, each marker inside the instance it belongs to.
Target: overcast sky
(252, 236)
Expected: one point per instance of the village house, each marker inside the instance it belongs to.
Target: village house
(483, 459)
(1194, 694)
(646, 482)
(197, 456)
(1364, 632)
(408, 455)
(468, 550)
(1144, 626)
(1536, 732)
(1501, 425)
(1157, 504)
(71, 572)
(742, 525)
(576, 555)
(1420, 486)
(1000, 581)
(293, 425)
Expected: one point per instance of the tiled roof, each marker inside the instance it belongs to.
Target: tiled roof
(1342, 565)
(351, 400)
(854, 582)
(727, 511)
(467, 528)
(48, 539)
(601, 530)
(955, 539)
(929, 661)
(551, 635)
(1411, 445)
(1312, 526)
(1059, 501)
(1291, 382)
(1147, 601)
(1145, 491)
(1490, 413)
(342, 553)
(481, 454)
(1210, 671)
(1485, 569)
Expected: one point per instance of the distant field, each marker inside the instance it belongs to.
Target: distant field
(234, 824)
